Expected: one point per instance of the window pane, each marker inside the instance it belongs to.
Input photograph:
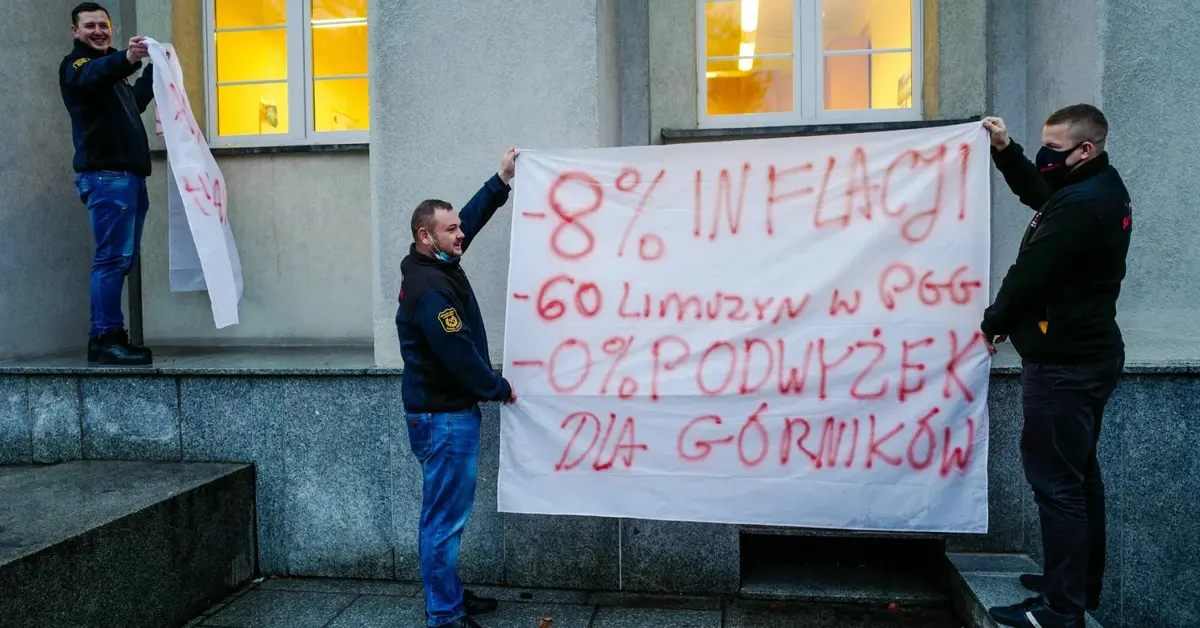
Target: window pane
(252, 109)
(748, 27)
(252, 56)
(338, 9)
(749, 86)
(243, 13)
(339, 49)
(866, 24)
(880, 81)
(341, 105)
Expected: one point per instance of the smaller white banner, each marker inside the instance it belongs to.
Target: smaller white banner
(203, 254)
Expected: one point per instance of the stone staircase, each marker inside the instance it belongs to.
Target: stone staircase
(109, 543)
(981, 581)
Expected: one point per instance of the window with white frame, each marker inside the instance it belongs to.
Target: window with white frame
(287, 72)
(795, 62)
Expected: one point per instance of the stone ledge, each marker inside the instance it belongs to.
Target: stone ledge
(804, 130)
(1165, 369)
(236, 151)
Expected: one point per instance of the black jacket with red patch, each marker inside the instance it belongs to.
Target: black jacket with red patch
(1058, 302)
(443, 340)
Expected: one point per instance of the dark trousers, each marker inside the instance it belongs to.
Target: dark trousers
(1064, 407)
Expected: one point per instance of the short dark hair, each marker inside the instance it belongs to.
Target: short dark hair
(1084, 122)
(87, 7)
(423, 215)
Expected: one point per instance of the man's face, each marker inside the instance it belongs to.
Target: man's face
(1058, 137)
(447, 235)
(93, 29)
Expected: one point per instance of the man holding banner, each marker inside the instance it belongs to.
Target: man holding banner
(447, 374)
(1058, 304)
(112, 162)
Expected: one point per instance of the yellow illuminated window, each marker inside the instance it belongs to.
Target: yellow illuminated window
(341, 101)
(749, 64)
(857, 74)
(288, 71)
(808, 61)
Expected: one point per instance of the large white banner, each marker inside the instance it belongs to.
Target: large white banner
(779, 332)
(205, 256)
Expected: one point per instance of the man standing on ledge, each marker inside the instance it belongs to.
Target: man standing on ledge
(447, 372)
(112, 161)
(1058, 303)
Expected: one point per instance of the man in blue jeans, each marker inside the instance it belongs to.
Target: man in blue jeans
(447, 373)
(112, 162)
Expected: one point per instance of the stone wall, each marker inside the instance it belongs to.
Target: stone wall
(46, 242)
(339, 490)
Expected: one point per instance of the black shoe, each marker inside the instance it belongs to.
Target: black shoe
(114, 348)
(476, 605)
(1033, 613)
(1037, 584)
(462, 622)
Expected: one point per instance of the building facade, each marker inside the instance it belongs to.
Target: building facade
(332, 119)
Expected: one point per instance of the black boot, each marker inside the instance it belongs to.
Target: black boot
(1037, 582)
(1033, 613)
(476, 605)
(115, 349)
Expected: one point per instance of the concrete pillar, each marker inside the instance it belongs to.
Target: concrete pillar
(1145, 68)
(455, 84)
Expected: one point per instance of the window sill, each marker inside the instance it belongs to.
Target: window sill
(686, 135)
(230, 151)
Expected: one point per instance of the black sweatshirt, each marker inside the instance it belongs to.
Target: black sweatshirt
(1058, 302)
(105, 109)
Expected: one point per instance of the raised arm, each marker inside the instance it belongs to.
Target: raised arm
(1019, 173)
(87, 73)
(1021, 176)
(492, 196)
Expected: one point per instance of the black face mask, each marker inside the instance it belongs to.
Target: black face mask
(1053, 163)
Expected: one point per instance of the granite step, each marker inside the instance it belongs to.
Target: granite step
(981, 581)
(114, 543)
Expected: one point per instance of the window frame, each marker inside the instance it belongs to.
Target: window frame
(298, 28)
(807, 76)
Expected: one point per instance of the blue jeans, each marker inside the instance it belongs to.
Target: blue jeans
(117, 203)
(447, 446)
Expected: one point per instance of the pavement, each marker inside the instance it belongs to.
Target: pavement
(329, 603)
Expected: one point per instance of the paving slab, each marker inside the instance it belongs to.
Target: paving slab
(378, 611)
(651, 617)
(806, 615)
(281, 609)
(330, 585)
(527, 614)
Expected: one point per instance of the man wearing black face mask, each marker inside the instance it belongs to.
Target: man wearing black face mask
(1058, 304)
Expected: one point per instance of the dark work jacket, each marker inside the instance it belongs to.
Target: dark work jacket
(1058, 302)
(106, 123)
(442, 337)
